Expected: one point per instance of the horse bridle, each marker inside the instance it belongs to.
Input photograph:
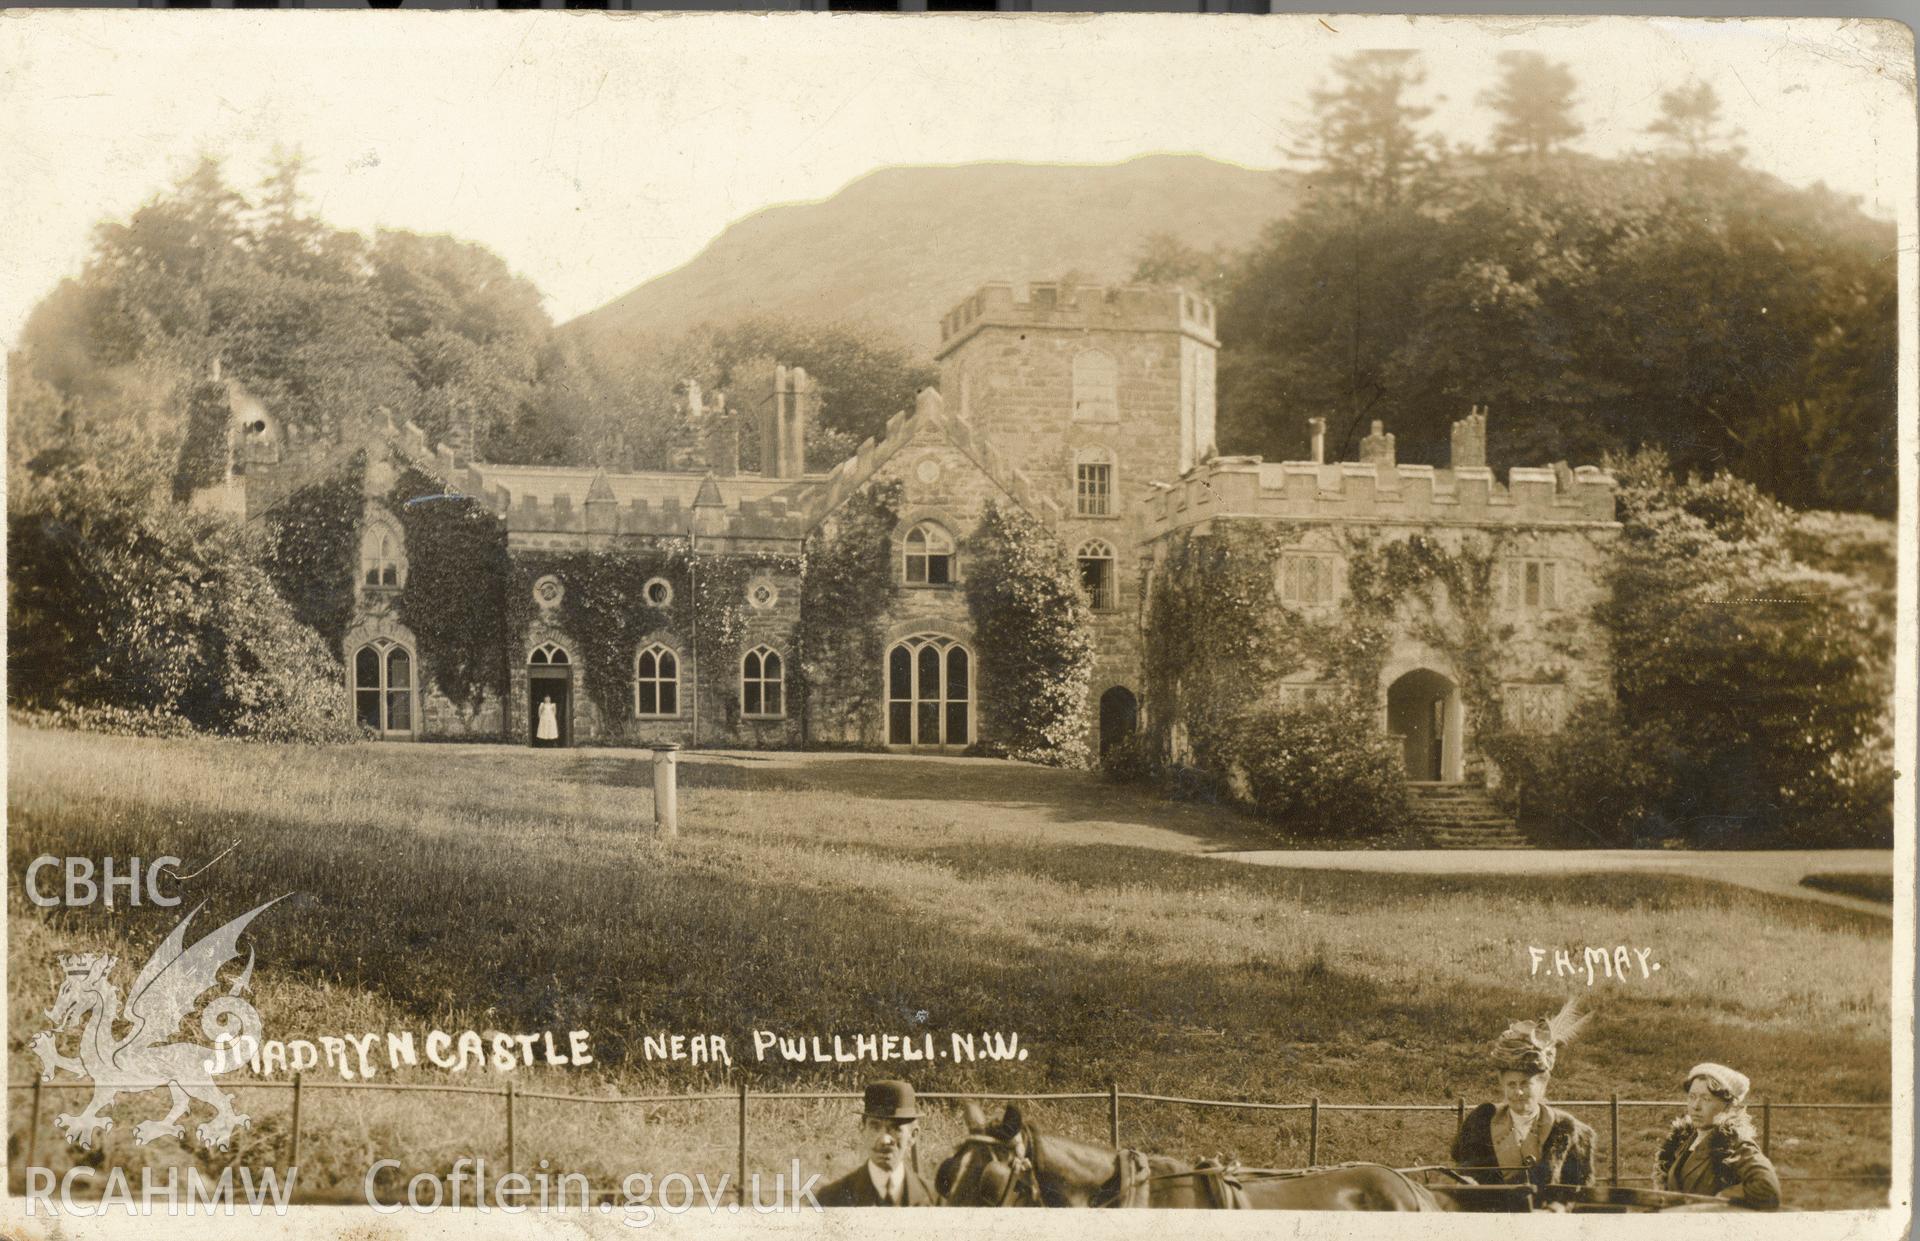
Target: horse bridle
(1021, 1169)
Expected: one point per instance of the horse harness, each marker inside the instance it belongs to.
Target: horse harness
(1133, 1177)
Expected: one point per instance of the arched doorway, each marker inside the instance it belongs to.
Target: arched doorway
(1119, 717)
(549, 682)
(929, 694)
(1423, 710)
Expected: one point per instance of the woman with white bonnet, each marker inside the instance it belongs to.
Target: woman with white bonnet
(1524, 1140)
(1711, 1150)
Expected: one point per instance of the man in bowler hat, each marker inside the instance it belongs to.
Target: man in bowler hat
(888, 1124)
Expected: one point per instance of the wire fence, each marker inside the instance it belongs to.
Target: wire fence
(1317, 1112)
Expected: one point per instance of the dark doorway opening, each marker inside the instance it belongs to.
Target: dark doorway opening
(1119, 717)
(1421, 710)
(557, 688)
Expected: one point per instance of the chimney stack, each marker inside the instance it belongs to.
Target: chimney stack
(1470, 439)
(722, 439)
(1317, 437)
(1377, 448)
(783, 425)
(460, 441)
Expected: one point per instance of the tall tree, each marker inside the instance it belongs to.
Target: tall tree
(1534, 101)
(1164, 258)
(1691, 123)
(1366, 141)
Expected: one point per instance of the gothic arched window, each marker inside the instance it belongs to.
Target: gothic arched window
(929, 556)
(1097, 574)
(656, 682)
(383, 687)
(383, 559)
(762, 684)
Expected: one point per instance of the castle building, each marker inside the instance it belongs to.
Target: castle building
(1089, 409)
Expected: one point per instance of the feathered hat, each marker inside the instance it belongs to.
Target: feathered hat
(1533, 1046)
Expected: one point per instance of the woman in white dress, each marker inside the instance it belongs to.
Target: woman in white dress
(549, 729)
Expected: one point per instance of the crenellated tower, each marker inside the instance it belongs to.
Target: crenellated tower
(1095, 394)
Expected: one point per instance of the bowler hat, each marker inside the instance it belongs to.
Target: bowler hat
(889, 1101)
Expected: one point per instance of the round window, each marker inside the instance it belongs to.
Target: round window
(658, 592)
(547, 592)
(928, 471)
(763, 593)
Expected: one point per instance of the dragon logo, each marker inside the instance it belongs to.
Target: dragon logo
(164, 995)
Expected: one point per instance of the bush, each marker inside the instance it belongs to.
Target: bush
(124, 612)
(1588, 784)
(1322, 769)
(120, 721)
(1133, 760)
(266, 676)
(1759, 683)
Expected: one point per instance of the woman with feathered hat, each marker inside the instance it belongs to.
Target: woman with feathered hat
(1711, 1150)
(1523, 1139)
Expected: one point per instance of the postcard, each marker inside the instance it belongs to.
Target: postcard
(632, 621)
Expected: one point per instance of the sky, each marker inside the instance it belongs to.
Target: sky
(594, 151)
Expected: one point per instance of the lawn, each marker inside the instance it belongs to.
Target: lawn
(484, 888)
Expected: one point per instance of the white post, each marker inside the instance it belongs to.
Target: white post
(666, 796)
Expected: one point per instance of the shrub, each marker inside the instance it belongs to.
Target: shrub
(1588, 784)
(1133, 760)
(265, 675)
(104, 718)
(1322, 769)
(124, 611)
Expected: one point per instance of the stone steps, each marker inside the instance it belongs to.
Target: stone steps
(1462, 816)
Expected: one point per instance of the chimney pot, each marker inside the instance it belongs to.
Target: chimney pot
(1469, 448)
(1377, 448)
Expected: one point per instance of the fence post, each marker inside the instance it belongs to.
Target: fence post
(1766, 1126)
(511, 1152)
(33, 1128)
(293, 1135)
(1313, 1134)
(1613, 1135)
(666, 792)
(1113, 1114)
(741, 1188)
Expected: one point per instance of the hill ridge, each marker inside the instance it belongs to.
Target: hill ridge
(846, 256)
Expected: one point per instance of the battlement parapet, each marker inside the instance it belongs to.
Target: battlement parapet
(742, 517)
(1362, 491)
(1131, 307)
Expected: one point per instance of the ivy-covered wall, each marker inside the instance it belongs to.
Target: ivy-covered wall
(1221, 642)
(849, 586)
(1031, 624)
(202, 460)
(313, 551)
(603, 616)
(454, 596)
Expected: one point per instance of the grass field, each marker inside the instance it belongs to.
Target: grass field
(465, 888)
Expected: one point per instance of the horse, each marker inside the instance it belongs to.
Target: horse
(1007, 1164)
